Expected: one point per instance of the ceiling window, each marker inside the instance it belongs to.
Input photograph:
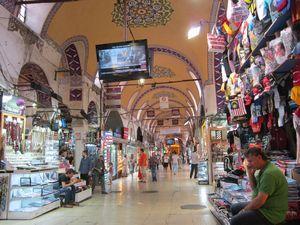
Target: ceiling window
(22, 13)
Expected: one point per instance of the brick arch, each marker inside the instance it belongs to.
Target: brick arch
(158, 88)
(31, 72)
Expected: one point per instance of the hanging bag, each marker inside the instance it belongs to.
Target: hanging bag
(216, 42)
(237, 11)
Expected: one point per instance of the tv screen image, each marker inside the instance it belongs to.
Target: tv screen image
(123, 61)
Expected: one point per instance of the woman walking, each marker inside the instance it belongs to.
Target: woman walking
(175, 163)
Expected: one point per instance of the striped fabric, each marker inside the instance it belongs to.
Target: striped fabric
(237, 108)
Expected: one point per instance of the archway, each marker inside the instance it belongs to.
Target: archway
(33, 73)
(114, 121)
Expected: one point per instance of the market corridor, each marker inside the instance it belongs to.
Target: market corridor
(129, 205)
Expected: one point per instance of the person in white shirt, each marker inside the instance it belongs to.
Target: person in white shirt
(194, 163)
(125, 166)
(175, 163)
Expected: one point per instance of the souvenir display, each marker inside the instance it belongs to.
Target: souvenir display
(262, 101)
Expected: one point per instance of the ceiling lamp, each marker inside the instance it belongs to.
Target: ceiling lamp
(194, 32)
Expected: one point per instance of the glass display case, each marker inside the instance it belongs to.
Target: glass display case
(32, 194)
(203, 172)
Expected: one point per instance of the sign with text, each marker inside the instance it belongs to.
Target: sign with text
(164, 102)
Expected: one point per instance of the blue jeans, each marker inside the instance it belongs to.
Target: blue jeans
(249, 217)
(175, 168)
(69, 194)
(153, 172)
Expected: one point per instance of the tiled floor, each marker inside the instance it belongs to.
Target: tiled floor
(133, 207)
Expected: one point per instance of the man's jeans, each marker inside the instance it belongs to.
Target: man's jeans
(69, 194)
(249, 217)
(154, 174)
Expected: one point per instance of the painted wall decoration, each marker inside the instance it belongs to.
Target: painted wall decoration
(92, 113)
(32, 72)
(161, 71)
(9, 5)
(217, 66)
(74, 65)
(143, 13)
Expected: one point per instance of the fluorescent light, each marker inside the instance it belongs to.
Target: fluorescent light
(186, 123)
(194, 32)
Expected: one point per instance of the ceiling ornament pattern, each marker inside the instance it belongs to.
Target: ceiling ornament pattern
(143, 13)
(183, 58)
(161, 71)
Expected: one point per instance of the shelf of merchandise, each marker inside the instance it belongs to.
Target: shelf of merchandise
(277, 25)
(216, 212)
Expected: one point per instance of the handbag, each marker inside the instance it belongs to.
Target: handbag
(216, 42)
(237, 11)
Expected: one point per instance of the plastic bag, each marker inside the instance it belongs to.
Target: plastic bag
(279, 50)
(216, 42)
(288, 39)
(237, 12)
(270, 60)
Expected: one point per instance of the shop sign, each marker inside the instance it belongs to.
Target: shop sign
(175, 113)
(150, 113)
(12, 104)
(175, 122)
(174, 130)
(164, 102)
(125, 133)
(160, 122)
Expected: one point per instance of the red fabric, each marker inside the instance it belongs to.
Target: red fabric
(295, 6)
(296, 75)
(256, 127)
(143, 159)
(297, 112)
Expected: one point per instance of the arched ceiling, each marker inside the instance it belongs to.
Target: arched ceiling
(175, 58)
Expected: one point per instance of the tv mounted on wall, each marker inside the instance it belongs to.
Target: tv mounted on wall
(123, 61)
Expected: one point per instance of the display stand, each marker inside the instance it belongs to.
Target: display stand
(83, 195)
(32, 194)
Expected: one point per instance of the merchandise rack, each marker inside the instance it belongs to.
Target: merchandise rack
(276, 26)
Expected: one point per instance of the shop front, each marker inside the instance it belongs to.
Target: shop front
(259, 66)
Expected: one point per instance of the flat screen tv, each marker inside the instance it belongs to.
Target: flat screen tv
(123, 61)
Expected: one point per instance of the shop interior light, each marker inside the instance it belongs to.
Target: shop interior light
(6, 98)
(34, 105)
(194, 32)
(141, 81)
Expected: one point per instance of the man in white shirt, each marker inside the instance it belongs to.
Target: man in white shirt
(194, 163)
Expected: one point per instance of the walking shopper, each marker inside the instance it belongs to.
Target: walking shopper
(194, 163)
(132, 164)
(98, 174)
(165, 161)
(270, 193)
(125, 166)
(175, 159)
(143, 165)
(111, 172)
(85, 167)
(153, 166)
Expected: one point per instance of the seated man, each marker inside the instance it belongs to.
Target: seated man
(66, 183)
(270, 193)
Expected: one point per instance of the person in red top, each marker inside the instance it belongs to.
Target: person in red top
(143, 164)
